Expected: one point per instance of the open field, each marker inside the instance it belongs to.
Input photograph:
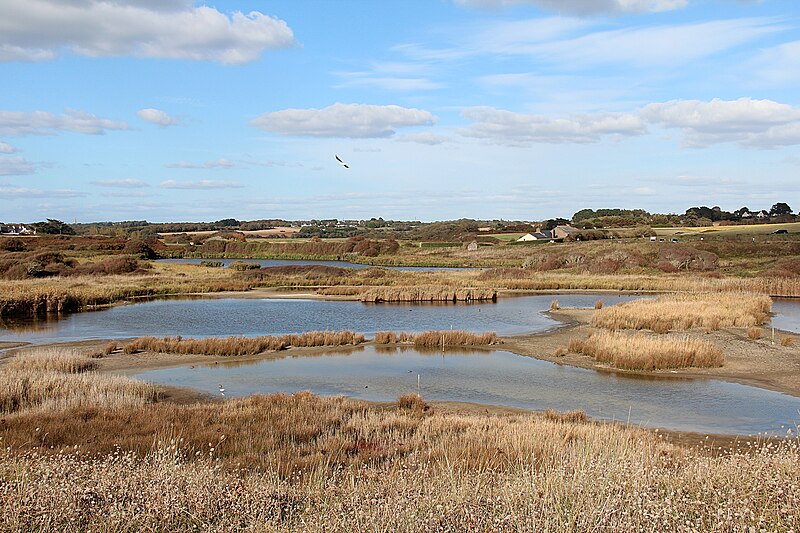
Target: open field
(505, 237)
(744, 229)
(288, 463)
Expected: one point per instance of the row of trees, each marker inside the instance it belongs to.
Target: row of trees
(694, 216)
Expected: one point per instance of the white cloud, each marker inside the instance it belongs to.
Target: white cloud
(650, 46)
(748, 122)
(219, 163)
(128, 183)
(19, 192)
(156, 116)
(343, 120)
(584, 7)
(15, 166)
(424, 137)
(388, 83)
(15, 123)
(202, 184)
(778, 65)
(518, 129)
(40, 29)
(6, 148)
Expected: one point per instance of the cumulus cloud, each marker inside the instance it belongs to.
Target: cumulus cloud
(219, 163)
(748, 122)
(156, 116)
(424, 137)
(35, 30)
(6, 148)
(15, 166)
(584, 7)
(19, 192)
(506, 127)
(16, 123)
(128, 183)
(343, 120)
(202, 184)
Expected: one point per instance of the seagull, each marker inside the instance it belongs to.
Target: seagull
(339, 160)
(221, 390)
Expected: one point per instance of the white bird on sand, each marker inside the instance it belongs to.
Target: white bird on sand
(339, 160)
(221, 390)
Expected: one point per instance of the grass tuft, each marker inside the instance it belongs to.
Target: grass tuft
(640, 352)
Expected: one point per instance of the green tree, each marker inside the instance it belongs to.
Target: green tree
(53, 227)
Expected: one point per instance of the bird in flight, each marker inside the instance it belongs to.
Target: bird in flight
(339, 160)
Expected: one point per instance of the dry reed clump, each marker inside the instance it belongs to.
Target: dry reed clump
(786, 340)
(554, 306)
(755, 332)
(639, 352)
(686, 311)
(237, 346)
(331, 463)
(427, 294)
(54, 380)
(434, 338)
(52, 360)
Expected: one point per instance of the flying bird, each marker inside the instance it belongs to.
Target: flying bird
(339, 160)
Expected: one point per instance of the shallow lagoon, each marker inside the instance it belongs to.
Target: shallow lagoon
(502, 378)
(205, 317)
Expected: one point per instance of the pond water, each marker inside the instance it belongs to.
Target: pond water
(288, 262)
(207, 317)
(787, 314)
(503, 378)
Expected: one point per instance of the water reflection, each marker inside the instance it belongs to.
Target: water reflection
(503, 378)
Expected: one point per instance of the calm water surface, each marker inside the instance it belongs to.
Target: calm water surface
(787, 314)
(252, 317)
(503, 378)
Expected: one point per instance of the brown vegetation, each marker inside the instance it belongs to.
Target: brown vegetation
(686, 311)
(300, 462)
(53, 380)
(238, 346)
(426, 294)
(755, 333)
(787, 340)
(640, 352)
(432, 339)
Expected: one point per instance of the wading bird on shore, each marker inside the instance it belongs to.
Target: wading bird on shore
(339, 160)
(221, 390)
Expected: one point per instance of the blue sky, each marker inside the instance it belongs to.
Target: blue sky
(172, 110)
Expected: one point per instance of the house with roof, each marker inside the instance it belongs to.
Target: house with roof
(536, 236)
(565, 232)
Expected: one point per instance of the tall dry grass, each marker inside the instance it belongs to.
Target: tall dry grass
(434, 338)
(237, 346)
(427, 294)
(50, 380)
(303, 463)
(639, 352)
(52, 360)
(686, 311)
